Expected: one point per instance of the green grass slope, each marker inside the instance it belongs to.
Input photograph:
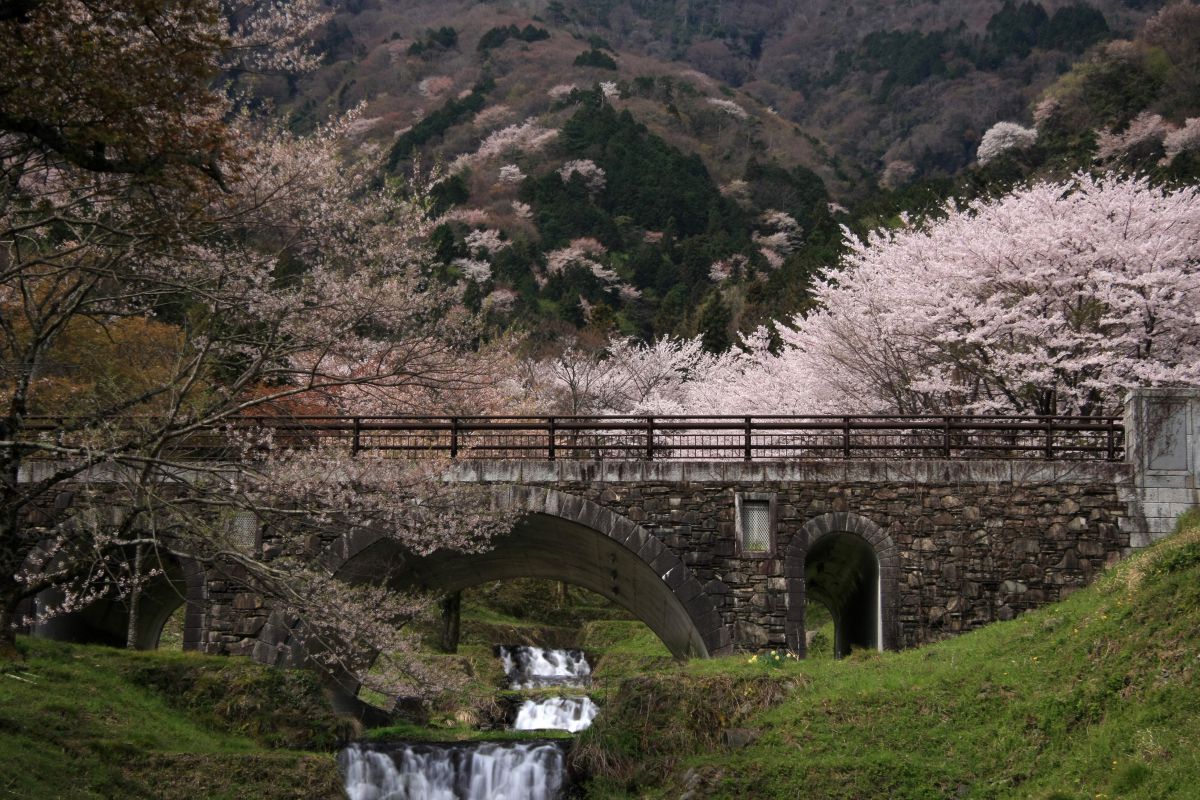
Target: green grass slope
(1095, 697)
(93, 722)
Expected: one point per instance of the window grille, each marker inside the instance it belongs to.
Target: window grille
(245, 530)
(756, 526)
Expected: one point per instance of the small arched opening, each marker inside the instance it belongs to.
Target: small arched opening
(847, 564)
(842, 573)
(176, 592)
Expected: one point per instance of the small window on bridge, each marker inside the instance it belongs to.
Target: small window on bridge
(754, 526)
(245, 530)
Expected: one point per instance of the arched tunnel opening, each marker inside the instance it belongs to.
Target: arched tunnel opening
(841, 572)
(547, 547)
(106, 621)
(541, 548)
(560, 620)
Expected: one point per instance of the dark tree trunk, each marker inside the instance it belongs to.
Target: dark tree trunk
(451, 621)
(10, 599)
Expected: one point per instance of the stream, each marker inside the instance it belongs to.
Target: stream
(525, 770)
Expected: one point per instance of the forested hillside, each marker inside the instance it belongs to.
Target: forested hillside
(914, 84)
(648, 169)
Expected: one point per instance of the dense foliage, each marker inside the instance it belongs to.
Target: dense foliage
(171, 264)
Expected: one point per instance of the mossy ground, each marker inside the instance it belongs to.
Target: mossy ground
(1094, 697)
(85, 722)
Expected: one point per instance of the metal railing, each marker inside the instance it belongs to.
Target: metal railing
(757, 438)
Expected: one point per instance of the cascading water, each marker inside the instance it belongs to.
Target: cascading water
(535, 667)
(556, 713)
(484, 770)
(472, 771)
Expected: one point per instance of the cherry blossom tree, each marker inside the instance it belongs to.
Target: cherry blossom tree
(592, 175)
(785, 237)
(1052, 300)
(276, 278)
(1142, 141)
(1004, 136)
(1184, 140)
(729, 107)
(511, 174)
(623, 377)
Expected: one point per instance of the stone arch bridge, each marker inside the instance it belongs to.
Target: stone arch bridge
(718, 534)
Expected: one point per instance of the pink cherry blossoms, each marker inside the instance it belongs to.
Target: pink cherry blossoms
(1052, 300)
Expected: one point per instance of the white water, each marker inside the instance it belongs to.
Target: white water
(534, 667)
(556, 713)
(482, 771)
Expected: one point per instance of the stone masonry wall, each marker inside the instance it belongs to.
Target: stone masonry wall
(974, 546)
(977, 541)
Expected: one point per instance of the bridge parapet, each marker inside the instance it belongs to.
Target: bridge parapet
(658, 438)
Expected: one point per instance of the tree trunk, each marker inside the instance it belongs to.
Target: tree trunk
(8, 624)
(135, 594)
(451, 621)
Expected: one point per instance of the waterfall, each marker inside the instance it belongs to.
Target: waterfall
(556, 713)
(471, 771)
(534, 667)
(484, 770)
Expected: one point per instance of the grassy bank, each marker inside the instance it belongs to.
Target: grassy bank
(85, 722)
(1095, 697)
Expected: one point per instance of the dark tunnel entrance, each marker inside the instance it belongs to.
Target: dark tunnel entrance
(841, 571)
(106, 621)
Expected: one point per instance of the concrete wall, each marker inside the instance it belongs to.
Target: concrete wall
(1162, 436)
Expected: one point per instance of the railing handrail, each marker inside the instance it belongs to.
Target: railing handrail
(675, 435)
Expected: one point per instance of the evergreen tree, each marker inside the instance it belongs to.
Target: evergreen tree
(714, 323)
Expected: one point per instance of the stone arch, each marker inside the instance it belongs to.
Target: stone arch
(867, 534)
(603, 551)
(183, 583)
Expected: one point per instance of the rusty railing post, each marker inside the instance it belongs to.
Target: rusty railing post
(649, 438)
(846, 437)
(454, 437)
(946, 437)
(550, 443)
(1049, 439)
(356, 436)
(749, 454)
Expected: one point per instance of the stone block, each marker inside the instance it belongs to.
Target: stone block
(245, 601)
(749, 636)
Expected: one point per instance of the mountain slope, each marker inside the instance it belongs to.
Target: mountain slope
(736, 125)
